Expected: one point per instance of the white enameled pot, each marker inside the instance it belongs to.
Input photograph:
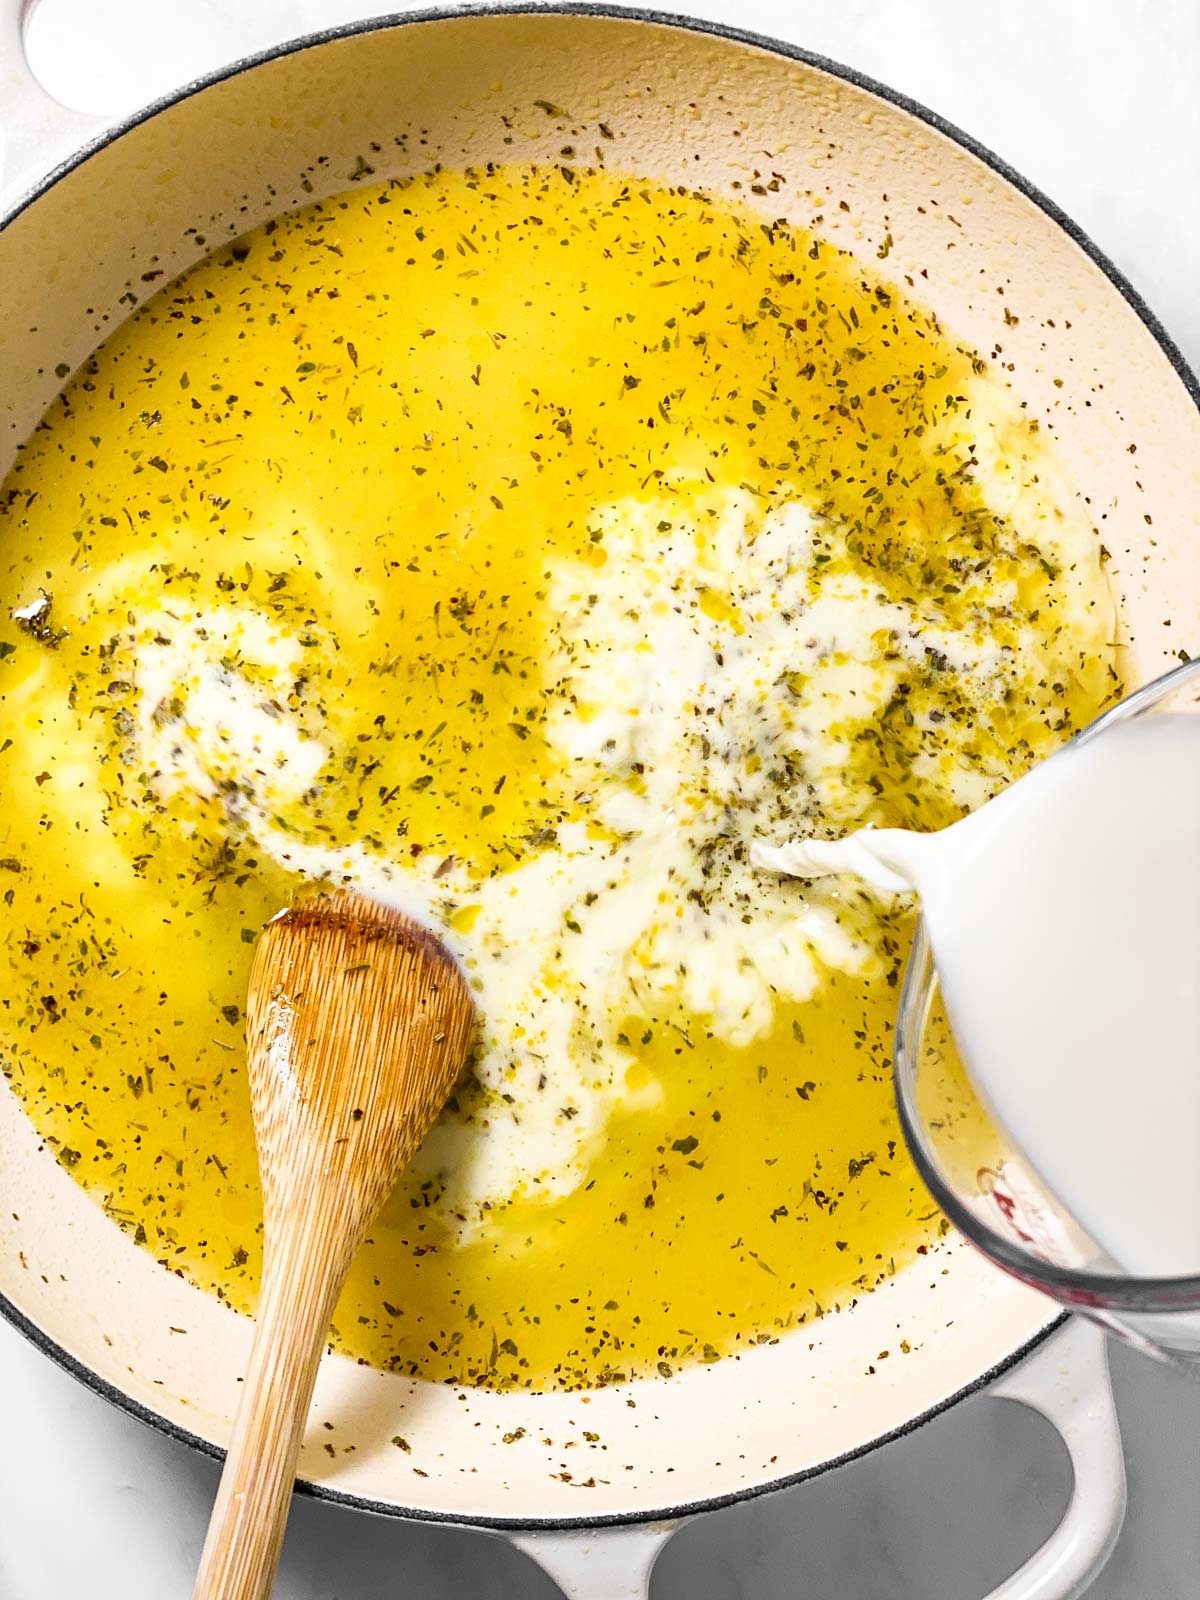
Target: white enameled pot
(87, 212)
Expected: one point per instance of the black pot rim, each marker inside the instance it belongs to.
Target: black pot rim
(594, 8)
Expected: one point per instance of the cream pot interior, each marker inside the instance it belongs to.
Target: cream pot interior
(798, 141)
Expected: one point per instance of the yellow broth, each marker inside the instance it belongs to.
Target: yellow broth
(376, 420)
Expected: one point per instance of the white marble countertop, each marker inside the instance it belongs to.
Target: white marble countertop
(1096, 103)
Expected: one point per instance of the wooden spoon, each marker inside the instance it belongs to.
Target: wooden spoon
(357, 1024)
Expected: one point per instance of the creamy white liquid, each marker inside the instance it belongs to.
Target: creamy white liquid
(1064, 918)
(715, 647)
(718, 675)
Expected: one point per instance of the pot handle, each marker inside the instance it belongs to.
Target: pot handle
(37, 133)
(598, 1563)
(1067, 1380)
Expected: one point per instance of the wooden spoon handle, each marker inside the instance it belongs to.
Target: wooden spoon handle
(245, 1535)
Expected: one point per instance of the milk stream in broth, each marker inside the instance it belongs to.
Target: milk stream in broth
(1065, 923)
